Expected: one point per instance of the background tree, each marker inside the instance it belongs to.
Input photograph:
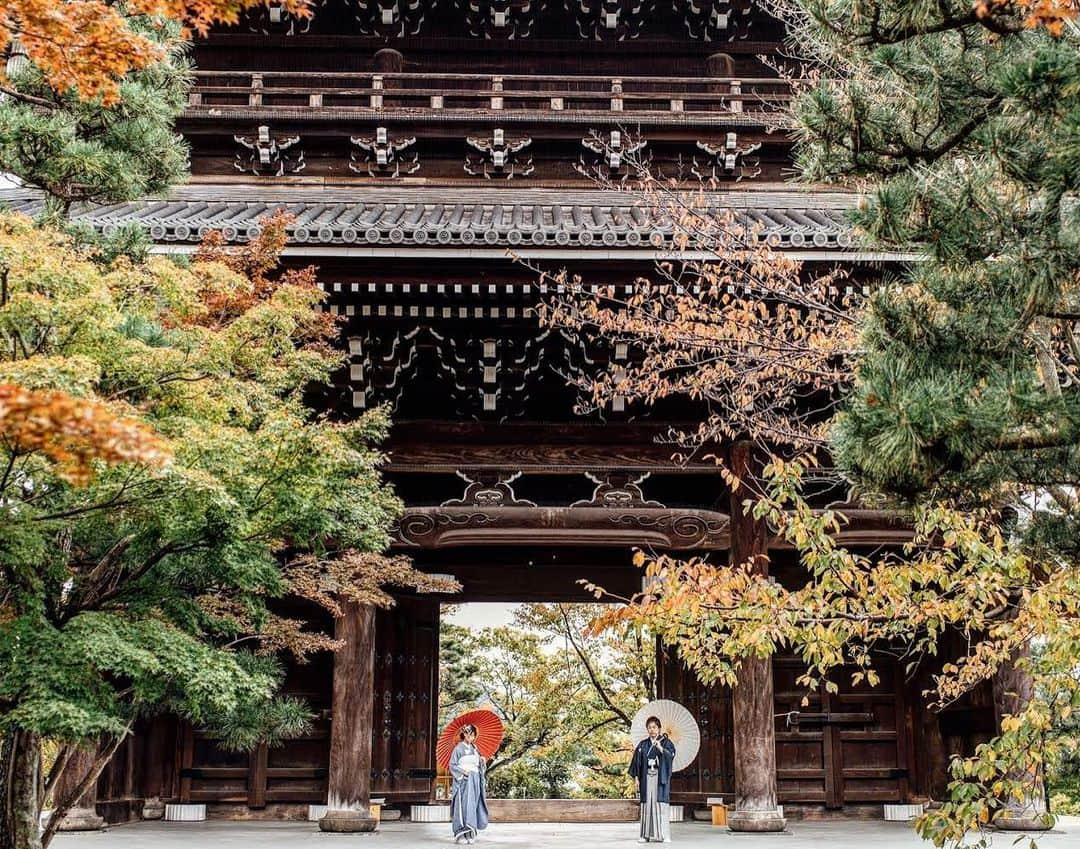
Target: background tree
(566, 699)
(766, 342)
(459, 688)
(148, 587)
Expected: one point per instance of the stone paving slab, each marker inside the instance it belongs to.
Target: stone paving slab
(400, 835)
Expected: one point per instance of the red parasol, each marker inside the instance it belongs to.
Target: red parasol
(489, 734)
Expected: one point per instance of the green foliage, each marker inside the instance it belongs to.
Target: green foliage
(962, 124)
(149, 587)
(77, 150)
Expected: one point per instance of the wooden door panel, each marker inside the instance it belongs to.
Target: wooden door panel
(842, 748)
(406, 688)
(712, 773)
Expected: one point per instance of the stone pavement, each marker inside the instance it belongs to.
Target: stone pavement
(403, 835)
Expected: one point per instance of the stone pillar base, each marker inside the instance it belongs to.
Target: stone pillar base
(81, 819)
(1031, 822)
(348, 821)
(756, 821)
(153, 808)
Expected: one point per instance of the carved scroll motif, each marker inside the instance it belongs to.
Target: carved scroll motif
(269, 154)
(610, 152)
(501, 156)
(500, 19)
(489, 489)
(729, 160)
(610, 20)
(617, 490)
(392, 18)
(381, 155)
(273, 19)
(717, 20)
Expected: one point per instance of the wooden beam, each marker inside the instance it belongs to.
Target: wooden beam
(661, 528)
(256, 776)
(755, 736)
(349, 798)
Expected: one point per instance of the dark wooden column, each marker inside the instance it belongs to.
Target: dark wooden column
(754, 730)
(349, 797)
(82, 816)
(1013, 689)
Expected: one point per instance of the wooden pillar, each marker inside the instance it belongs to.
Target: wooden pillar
(754, 730)
(82, 816)
(1013, 689)
(349, 797)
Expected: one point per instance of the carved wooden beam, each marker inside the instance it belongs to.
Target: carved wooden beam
(862, 527)
(448, 527)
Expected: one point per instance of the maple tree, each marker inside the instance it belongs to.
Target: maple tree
(953, 398)
(747, 330)
(184, 486)
(72, 432)
(87, 47)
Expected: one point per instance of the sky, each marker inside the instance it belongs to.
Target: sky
(476, 615)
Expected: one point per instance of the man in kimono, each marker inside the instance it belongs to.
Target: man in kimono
(468, 806)
(651, 766)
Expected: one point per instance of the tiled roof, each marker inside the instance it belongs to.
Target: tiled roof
(457, 216)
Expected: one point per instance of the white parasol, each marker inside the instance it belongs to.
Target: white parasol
(675, 721)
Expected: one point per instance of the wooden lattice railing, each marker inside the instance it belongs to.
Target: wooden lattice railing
(487, 93)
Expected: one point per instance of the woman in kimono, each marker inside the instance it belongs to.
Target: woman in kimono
(651, 766)
(468, 807)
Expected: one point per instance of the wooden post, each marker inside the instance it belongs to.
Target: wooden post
(755, 735)
(1013, 689)
(348, 802)
(82, 815)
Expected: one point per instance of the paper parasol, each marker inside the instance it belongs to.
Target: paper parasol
(489, 734)
(675, 721)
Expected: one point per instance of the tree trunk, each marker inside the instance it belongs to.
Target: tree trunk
(21, 784)
(754, 732)
(349, 798)
(1013, 690)
(81, 814)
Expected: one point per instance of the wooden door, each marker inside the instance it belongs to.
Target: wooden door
(406, 700)
(842, 748)
(403, 750)
(712, 773)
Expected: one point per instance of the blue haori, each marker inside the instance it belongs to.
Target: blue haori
(468, 805)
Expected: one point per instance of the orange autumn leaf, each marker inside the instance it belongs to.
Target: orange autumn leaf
(87, 46)
(1049, 14)
(73, 432)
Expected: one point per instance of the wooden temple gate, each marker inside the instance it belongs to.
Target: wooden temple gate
(851, 748)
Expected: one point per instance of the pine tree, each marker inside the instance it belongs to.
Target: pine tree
(78, 150)
(962, 122)
(966, 129)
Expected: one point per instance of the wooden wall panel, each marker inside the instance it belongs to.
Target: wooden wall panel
(406, 700)
(712, 773)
